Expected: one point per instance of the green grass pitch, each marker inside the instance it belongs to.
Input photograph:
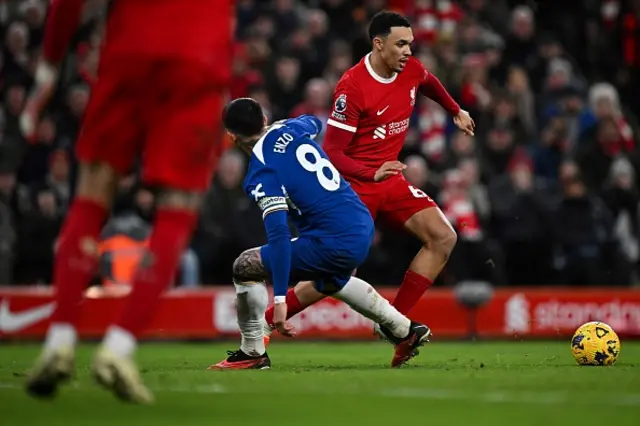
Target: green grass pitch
(483, 383)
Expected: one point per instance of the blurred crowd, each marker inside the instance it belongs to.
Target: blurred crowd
(545, 193)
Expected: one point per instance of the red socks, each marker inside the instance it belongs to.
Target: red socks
(76, 257)
(412, 288)
(293, 307)
(170, 236)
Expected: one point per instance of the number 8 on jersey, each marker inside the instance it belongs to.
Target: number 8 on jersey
(318, 166)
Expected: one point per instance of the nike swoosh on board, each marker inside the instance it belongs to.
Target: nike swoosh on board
(15, 321)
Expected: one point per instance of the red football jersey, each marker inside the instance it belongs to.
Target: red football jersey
(376, 109)
(197, 30)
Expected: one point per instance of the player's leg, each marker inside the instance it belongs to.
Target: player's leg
(113, 366)
(75, 264)
(328, 263)
(358, 294)
(406, 335)
(251, 271)
(181, 146)
(412, 208)
(438, 238)
(106, 151)
(249, 279)
(304, 294)
(365, 300)
(298, 299)
(252, 267)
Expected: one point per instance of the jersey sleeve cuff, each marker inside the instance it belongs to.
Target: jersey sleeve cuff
(339, 125)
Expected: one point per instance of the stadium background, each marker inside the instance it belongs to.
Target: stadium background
(544, 198)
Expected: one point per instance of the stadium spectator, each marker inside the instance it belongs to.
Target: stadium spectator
(583, 227)
(125, 238)
(37, 233)
(7, 229)
(230, 222)
(317, 100)
(521, 222)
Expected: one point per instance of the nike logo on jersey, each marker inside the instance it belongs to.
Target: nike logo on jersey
(16, 321)
(383, 110)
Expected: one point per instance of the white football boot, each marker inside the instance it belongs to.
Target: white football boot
(120, 375)
(53, 367)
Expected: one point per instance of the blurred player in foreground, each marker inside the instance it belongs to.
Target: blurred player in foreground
(158, 95)
(289, 174)
(373, 104)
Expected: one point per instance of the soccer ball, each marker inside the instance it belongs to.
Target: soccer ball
(595, 343)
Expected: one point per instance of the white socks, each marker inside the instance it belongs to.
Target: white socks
(120, 341)
(60, 335)
(251, 303)
(268, 330)
(117, 340)
(365, 300)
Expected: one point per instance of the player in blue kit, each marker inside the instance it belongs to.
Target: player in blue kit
(290, 175)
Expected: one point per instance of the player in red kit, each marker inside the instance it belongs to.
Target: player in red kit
(373, 103)
(158, 95)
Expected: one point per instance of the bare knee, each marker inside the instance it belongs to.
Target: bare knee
(445, 239)
(248, 267)
(238, 267)
(97, 182)
(434, 230)
(176, 199)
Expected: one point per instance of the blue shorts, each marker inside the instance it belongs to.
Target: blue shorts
(328, 262)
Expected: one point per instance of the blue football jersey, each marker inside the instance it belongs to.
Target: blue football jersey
(290, 171)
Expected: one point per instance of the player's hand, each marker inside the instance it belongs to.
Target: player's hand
(45, 84)
(280, 320)
(390, 168)
(465, 123)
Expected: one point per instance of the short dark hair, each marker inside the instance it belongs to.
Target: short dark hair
(243, 116)
(382, 22)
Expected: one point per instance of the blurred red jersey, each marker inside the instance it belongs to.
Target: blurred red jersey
(163, 73)
(194, 30)
(197, 30)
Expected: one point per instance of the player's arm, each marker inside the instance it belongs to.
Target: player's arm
(341, 127)
(432, 88)
(267, 193)
(307, 124)
(63, 18)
